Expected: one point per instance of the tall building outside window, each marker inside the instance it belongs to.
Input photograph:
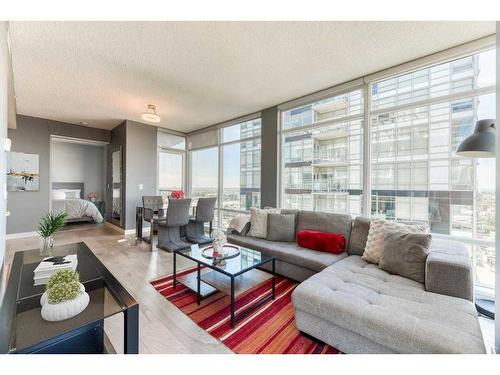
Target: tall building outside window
(417, 120)
(229, 170)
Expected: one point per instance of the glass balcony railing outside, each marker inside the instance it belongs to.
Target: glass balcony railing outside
(330, 185)
(330, 155)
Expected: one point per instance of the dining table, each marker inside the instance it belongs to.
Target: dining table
(155, 216)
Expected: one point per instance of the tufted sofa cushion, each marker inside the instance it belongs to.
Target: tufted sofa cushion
(388, 310)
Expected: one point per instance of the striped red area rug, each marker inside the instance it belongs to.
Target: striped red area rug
(268, 329)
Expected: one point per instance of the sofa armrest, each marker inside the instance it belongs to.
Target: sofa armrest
(448, 269)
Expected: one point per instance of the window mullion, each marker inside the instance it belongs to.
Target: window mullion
(366, 211)
(220, 186)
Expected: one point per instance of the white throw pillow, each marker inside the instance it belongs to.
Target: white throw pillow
(258, 221)
(376, 233)
(58, 194)
(238, 223)
(72, 193)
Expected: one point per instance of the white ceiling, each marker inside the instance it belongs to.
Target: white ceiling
(202, 73)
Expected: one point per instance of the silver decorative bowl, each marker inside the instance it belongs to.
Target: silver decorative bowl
(228, 252)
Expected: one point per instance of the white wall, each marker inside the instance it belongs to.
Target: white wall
(4, 56)
(497, 212)
(74, 162)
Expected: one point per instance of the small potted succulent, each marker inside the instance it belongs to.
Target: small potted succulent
(177, 194)
(64, 297)
(49, 224)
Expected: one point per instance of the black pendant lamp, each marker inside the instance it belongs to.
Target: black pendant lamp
(481, 144)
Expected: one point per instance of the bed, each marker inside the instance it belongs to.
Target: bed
(68, 196)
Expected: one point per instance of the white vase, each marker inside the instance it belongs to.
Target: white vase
(66, 309)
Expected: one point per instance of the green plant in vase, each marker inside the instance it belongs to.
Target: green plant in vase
(49, 224)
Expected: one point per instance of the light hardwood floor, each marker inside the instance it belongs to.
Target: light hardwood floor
(163, 328)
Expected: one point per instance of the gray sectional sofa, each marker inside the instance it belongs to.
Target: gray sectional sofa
(358, 308)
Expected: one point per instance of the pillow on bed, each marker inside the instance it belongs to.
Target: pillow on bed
(58, 194)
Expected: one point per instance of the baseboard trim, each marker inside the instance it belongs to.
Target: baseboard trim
(132, 231)
(13, 236)
(114, 227)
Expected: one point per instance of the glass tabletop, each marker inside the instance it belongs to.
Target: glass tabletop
(247, 259)
(28, 328)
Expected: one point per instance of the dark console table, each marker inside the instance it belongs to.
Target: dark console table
(22, 329)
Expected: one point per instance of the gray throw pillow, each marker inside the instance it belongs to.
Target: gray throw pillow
(281, 227)
(405, 254)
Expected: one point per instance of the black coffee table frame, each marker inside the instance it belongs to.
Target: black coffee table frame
(200, 263)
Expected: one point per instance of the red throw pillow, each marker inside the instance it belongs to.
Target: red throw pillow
(321, 241)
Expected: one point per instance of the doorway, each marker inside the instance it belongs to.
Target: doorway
(78, 180)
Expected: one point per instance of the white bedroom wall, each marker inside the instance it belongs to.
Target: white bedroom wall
(74, 162)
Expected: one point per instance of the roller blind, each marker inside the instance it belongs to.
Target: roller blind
(204, 139)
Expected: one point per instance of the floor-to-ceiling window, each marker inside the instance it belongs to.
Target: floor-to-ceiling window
(205, 173)
(416, 121)
(322, 148)
(205, 176)
(229, 170)
(171, 163)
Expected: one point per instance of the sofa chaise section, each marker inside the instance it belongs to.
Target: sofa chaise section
(358, 308)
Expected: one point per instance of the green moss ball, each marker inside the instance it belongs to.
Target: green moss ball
(63, 277)
(63, 292)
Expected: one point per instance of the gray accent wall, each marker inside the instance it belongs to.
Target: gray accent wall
(269, 158)
(141, 166)
(139, 143)
(78, 162)
(32, 135)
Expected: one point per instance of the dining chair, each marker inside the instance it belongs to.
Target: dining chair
(153, 205)
(169, 230)
(195, 230)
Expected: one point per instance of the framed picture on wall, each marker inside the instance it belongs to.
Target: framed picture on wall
(23, 172)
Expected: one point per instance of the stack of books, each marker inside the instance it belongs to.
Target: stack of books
(50, 265)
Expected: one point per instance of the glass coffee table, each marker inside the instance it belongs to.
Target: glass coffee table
(233, 276)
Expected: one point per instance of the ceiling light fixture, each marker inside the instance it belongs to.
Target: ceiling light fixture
(151, 114)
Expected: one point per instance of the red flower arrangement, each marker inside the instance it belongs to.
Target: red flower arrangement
(177, 194)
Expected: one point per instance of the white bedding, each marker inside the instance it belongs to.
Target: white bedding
(77, 208)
